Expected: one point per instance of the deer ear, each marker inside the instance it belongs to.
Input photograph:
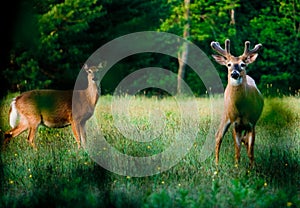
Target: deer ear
(220, 59)
(251, 58)
(102, 64)
(85, 67)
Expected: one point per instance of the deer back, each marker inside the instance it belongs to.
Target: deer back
(51, 106)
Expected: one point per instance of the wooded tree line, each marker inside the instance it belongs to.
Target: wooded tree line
(52, 39)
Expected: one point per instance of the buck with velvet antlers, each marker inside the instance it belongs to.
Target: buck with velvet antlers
(243, 101)
(53, 108)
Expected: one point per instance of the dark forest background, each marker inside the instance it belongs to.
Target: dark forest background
(45, 43)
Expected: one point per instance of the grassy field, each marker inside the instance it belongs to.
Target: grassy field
(57, 174)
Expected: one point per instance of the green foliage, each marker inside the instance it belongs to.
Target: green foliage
(56, 48)
(278, 26)
(274, 24)
(53, 39)
(276, 84)
(278, 113)
(208, 19)
(157, 200)
(64, 24)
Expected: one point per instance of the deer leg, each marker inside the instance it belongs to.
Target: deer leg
(34, 122)
(250, 146)
(76, 132)
(31, 135)
(21, 127)
(237, 136)
(219, 137)
(82, 133)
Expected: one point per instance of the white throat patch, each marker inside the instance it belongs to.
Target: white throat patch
(236, 82)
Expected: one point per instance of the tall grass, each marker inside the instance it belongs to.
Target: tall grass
(58, 174)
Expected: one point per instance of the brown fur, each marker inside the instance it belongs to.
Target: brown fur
(243, 102)
(53, 108)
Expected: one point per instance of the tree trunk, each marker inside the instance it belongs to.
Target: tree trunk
(232, 17)
(184, 51)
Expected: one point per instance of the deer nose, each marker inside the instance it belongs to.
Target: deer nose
(235, 74)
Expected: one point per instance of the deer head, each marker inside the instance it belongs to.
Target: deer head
(236, 65)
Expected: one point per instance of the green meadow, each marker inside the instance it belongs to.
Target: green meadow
(58, 174)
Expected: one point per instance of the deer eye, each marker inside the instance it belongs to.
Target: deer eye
(229, 64)
(243, 65)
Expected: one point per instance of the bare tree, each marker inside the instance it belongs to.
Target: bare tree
(183, 53)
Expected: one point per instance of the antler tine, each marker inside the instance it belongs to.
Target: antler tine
(216, 46)
(248, 52)
(227, 46)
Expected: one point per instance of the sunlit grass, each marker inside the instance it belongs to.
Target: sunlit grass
(58, 174)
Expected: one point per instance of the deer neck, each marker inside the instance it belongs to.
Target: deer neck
(236, 91)
(93, 92)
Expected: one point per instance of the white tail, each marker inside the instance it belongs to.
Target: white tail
(243, 101)
(13, 114)
(53, 108)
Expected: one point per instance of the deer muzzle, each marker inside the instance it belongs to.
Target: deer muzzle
(235, 74)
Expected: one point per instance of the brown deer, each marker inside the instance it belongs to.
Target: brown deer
(53, 108)
(243, 101)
